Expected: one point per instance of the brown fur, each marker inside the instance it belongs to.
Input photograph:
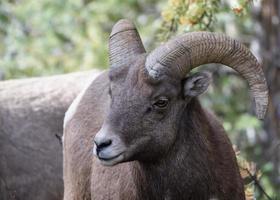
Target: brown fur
(201, 163)
(31, 116)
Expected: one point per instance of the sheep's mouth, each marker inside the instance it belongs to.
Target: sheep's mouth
(108, 158)
(111, 160)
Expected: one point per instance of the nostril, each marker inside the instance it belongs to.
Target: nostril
(102, 144)
(105, 144)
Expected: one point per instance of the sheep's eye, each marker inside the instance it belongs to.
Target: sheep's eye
(161, 103)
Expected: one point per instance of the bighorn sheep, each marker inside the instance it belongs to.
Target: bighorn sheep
(144, 116)
(31, 115)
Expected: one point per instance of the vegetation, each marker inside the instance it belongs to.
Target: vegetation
(47, 37)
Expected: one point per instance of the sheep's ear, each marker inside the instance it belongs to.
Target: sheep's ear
(196, 84)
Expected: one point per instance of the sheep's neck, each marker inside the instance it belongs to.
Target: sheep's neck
(180, 174)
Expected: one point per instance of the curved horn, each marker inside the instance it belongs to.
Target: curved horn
(181, 54)
(124, 43)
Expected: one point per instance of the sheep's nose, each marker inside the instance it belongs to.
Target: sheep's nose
(102, 144)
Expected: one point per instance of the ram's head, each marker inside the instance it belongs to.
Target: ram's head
(150, 91)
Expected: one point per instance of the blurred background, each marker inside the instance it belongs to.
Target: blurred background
(46, 37)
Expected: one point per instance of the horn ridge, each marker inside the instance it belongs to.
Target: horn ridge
(124, 43)
(184, 53)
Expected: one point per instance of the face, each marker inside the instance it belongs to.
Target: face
(144, 115)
